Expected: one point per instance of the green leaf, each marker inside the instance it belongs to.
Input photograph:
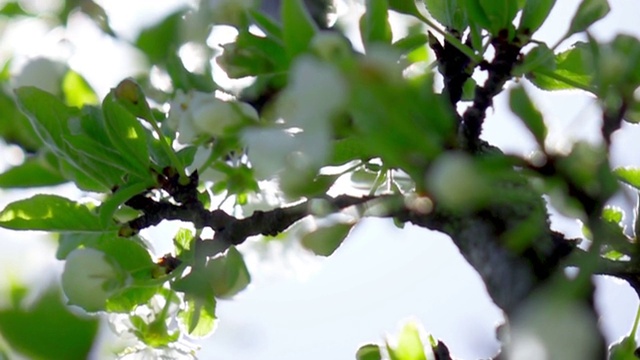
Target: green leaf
(612, 215)
(477, 16)
(298, 28)
(160, 40)
(48, 116)
(50, 213)
(183, 243)
(124, 193)
(369, 352)
(15, 127)
(130, 255)
(522, 106)
(540, 57)
(77, 92)
(500, 13)
(571, 71)
(252, 55)
(325, 240)
(628, 175)
(374, 23)
(127, 135)
(272, 29)
(48, 329)
(35, 171)
(12, 9)
(534, 14)
(229, 274)
(199, 316)
(405, 7)
(588, 13)
(183, 79)
(449, 13)
(626, 348)
(53, 122)
(410, 43)
(129, 298)
(410, 346)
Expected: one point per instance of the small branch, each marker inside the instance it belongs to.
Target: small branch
(499, 69)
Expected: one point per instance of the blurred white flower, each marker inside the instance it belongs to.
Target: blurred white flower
(196, 113)
(316, 92)
(43, 73)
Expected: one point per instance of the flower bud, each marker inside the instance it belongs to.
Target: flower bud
(87, 278)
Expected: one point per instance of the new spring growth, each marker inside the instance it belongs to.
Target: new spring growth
(130, 95)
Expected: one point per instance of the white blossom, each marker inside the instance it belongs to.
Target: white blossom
(196, 114)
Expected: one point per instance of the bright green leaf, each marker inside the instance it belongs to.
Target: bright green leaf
(588, 13)
(325, 240)
(628, 175)
(298, 28)
(612, 214)
(199, 316)
(409, 345)
(77, 92)
(369, 352)
(50, 213)
(522, 106)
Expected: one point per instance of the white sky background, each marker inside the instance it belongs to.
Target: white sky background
(381, 276)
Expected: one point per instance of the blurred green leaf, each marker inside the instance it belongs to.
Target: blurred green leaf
(160, 40)
(589, 11)
(477, 16)
(48, 329)
(500, 13)
(571, 71)
(325, 240)
(12, 9)
(229, 274)
(35, 171)
(374, 23)
(449, 13)
(298, 28)
(51, 213)
(539, 57)
(522, 106)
